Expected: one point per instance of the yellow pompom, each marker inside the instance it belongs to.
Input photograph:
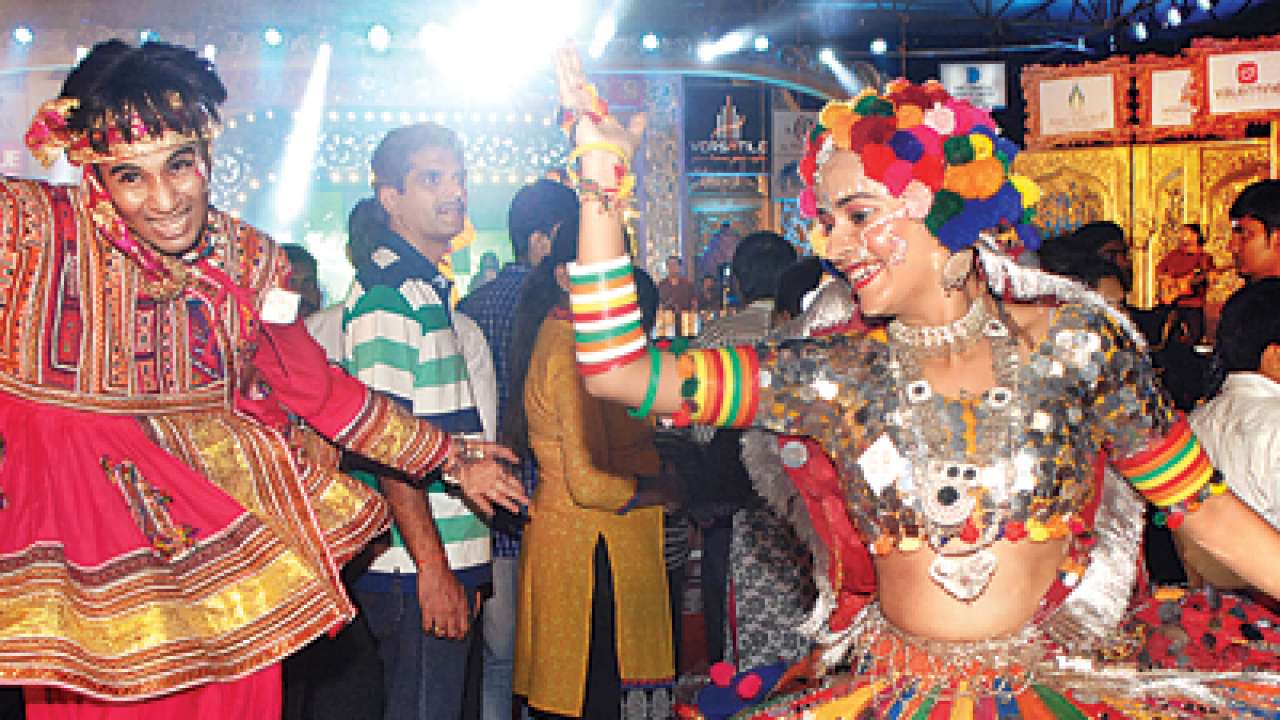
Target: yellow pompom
(1027, 188)
(909, 116)
(981, 145)
(836, 113)
(910, 544)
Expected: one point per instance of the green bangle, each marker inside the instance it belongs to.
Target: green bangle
(651, 394)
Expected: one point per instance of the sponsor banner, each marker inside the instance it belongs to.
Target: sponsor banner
(1082, 104)
(982, 84)
(790, 131)
(1171, 98)
(1244, 82)
(726, 128)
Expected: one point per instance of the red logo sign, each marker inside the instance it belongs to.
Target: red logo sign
(1247, 73)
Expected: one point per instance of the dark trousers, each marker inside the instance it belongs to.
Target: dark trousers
(604, 681)
(11, 705)
(337, 678)
(715, 585)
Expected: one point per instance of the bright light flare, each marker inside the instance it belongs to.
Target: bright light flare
(650, 41)
(606, 28)
(728, 44)
(484, 60)
(879, 46)
(272, 37)
(379, 38)
(23, 35)
(300, 147)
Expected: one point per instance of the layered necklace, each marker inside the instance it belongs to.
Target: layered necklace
(963, 497)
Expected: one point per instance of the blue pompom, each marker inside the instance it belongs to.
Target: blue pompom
(906, 146)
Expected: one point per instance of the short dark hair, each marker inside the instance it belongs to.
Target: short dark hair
(1249, 323)
(299, 255)
(168, 86)
(392, 158)
(1260, 201)
(1098, 234)
(538, 207)
(758, 262)
(797, 280)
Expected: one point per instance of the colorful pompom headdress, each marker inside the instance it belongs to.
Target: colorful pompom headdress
(919, 133)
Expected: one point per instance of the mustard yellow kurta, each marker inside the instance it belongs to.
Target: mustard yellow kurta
(589, 453)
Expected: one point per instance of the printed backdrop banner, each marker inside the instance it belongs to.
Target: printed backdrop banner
(1244, 82)
(790, 130)
(982, 84)
(1171, 97)
(1079, 104)
(725, 128)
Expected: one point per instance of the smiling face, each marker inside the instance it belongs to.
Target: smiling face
(162, 196)
(879, 240)
(432, 208)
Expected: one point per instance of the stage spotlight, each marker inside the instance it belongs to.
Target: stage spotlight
(81, 52)
(604, 32)
(649, 41)
(209, 52)
(727, 45)
(1205, 5)
(827, 56)
(271, 36)
(23, 35)
(1174, 16)
(879, 46)
(1140, 31)
(379, 38)
(147, 36)
(762, 43)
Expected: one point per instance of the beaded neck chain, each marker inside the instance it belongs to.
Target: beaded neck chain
(935, 339)
(963, 498)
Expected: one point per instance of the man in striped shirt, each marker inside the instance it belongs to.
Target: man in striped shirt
(422, 594)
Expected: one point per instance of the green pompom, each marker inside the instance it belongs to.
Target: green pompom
(816, 133)
(957, 150)
(1004, 160)
(1028, 214)
(872, 105)
(946, 205)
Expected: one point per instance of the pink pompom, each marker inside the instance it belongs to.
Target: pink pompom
(808, 203)
(722, 673)
(896, 176)
(928, 138)
(749, 686)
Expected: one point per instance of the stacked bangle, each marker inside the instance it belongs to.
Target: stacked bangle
(1174, 473)
(719, 387)
(606, 315)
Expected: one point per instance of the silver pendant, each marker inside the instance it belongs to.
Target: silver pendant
(964, 576)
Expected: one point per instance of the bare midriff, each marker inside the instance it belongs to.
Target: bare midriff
(911, 600)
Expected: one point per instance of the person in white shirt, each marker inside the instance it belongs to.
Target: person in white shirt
(1240, 426)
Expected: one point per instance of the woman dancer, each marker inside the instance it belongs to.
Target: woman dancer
(983, 442)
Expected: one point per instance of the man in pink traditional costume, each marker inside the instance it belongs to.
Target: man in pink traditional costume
(171, 521)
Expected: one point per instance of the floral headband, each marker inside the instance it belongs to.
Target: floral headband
(919, 133)
(49, 136)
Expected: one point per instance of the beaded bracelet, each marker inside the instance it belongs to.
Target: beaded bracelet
(650, 393)
(591, 189)
(1174, 473)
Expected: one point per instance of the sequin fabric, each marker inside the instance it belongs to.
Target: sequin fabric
(1086, 388)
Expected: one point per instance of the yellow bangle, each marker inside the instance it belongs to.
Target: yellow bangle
(608, 147)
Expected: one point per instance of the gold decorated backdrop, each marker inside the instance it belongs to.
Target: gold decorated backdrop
(1150, 191)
